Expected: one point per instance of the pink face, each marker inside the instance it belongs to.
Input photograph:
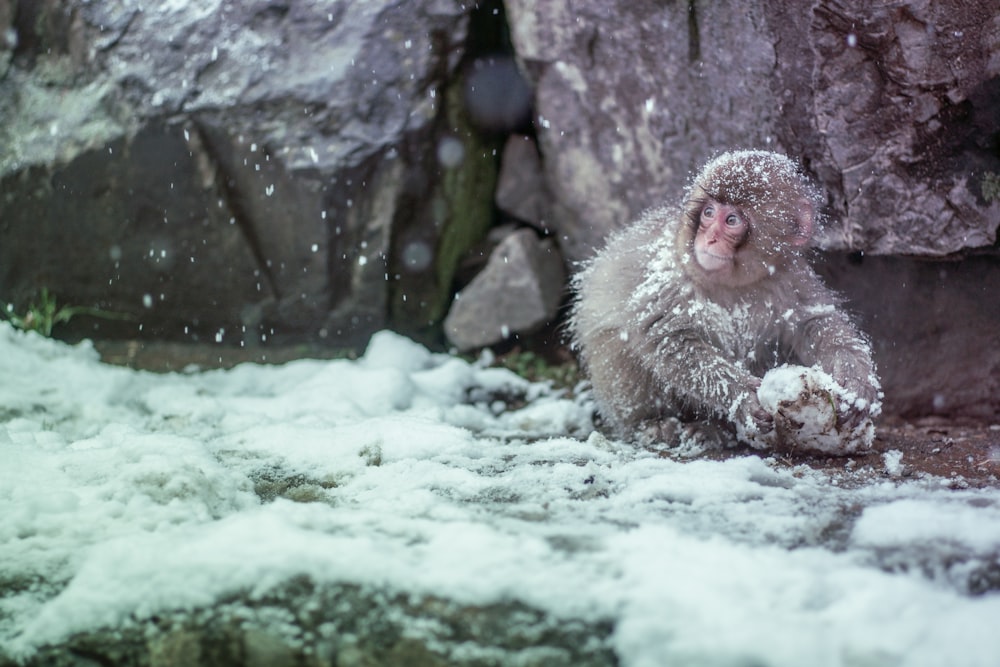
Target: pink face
(722, 229)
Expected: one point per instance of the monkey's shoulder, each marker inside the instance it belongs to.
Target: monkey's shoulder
(617, 288)
(644, 238)
(625, 259)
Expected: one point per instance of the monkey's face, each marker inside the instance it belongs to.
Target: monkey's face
(722, 230)
(728, 246)
(747, 215)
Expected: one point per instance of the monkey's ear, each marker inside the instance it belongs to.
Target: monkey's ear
(804, 222)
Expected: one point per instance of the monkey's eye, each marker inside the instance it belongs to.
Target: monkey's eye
(708, 211)
(733, 220)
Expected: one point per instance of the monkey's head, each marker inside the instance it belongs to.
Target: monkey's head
(746, 216)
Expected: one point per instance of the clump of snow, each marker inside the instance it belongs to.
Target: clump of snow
(804, 401)
(125, 495)
(893, 462)
(939, 524)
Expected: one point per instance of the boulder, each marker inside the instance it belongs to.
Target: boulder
(520, 185)
(892, 108)
(518, 291)
(231, 173)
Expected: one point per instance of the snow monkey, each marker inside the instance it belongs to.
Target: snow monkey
(679, 317)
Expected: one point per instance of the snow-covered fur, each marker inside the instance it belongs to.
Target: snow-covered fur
(661, 346)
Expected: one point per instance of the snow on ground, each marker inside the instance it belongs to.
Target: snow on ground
(126, 494)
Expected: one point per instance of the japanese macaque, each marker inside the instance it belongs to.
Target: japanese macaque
(681, 315)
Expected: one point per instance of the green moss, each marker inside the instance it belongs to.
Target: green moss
(536, 368)
(467, 194)
(458, 212)
(991, 186)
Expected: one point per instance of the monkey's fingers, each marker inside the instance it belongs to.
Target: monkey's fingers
(863, 394)
(764, 420)
(851, 418)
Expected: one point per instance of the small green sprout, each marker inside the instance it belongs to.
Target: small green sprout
(44, 313)
(534, 367)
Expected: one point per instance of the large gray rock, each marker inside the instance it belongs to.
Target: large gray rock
(631, 96)
(300, 624)
(893, 108)
(208, 167)
(518, 292)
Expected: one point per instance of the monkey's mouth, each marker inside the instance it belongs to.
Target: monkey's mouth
(712, 262)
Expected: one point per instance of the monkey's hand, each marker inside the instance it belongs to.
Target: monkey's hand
(860, 401)
(861, 398)
(813, 411)
(751, 418)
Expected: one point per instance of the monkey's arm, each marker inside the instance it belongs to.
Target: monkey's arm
(694, 372)
(827, 338)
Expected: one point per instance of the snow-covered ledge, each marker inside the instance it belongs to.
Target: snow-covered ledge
(394, 508)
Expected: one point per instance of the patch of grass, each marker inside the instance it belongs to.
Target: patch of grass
(536, 368)
(44, 313)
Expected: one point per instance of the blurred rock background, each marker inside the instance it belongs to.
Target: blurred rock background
(269, 173)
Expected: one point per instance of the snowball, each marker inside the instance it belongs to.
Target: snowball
(803, 401)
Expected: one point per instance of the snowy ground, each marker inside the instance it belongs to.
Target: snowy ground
(125, 494)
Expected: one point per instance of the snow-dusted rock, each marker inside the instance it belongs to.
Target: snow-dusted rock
(519, 291)
(207, 166)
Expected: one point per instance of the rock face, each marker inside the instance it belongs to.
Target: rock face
(894, 108)
(305, 171)
(934, 329)
(304, 625)
(620, 124)
(241, 172)
(518, 291)
(897, 112)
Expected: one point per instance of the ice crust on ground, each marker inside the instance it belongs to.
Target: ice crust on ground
(804, 402)
(125, 494)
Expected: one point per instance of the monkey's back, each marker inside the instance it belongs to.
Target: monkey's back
(607, 320)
